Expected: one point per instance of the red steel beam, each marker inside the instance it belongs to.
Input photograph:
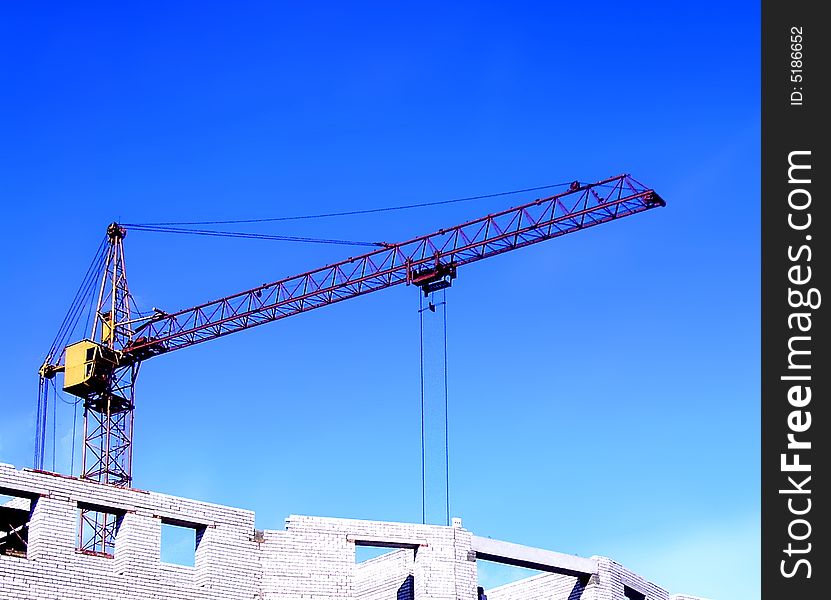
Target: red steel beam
(580, 207)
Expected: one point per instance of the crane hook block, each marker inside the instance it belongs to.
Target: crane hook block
(431, 279)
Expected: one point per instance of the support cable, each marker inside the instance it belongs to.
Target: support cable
(80, 300)
(88, 318)
(358, 212)
(249, 235)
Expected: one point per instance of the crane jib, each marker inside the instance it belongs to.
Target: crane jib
(429, 261)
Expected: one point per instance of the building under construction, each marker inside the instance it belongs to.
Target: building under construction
(312, 559)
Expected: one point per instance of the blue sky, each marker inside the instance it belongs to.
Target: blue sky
(604, 387)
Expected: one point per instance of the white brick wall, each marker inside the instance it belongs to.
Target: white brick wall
(546, 586)
(53, 569)
(312, 559)
(386, 577)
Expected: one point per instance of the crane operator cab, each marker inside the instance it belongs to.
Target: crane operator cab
(89, 369)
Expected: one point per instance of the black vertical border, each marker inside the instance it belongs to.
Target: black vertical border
(787, 128)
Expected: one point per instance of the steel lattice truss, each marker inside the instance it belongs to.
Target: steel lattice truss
(108, 414)
(414, 261)
(108, 430)
(96, 534)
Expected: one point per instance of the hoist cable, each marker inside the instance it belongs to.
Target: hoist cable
(446, 417)
(424, 408)
(421, 357)
(54, 422)
(74, 440)
(40, 425)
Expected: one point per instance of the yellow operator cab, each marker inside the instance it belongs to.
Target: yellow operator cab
(88, 368)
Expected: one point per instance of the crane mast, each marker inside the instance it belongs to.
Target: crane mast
(102, 369)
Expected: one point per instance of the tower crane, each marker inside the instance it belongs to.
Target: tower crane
(101, 370)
